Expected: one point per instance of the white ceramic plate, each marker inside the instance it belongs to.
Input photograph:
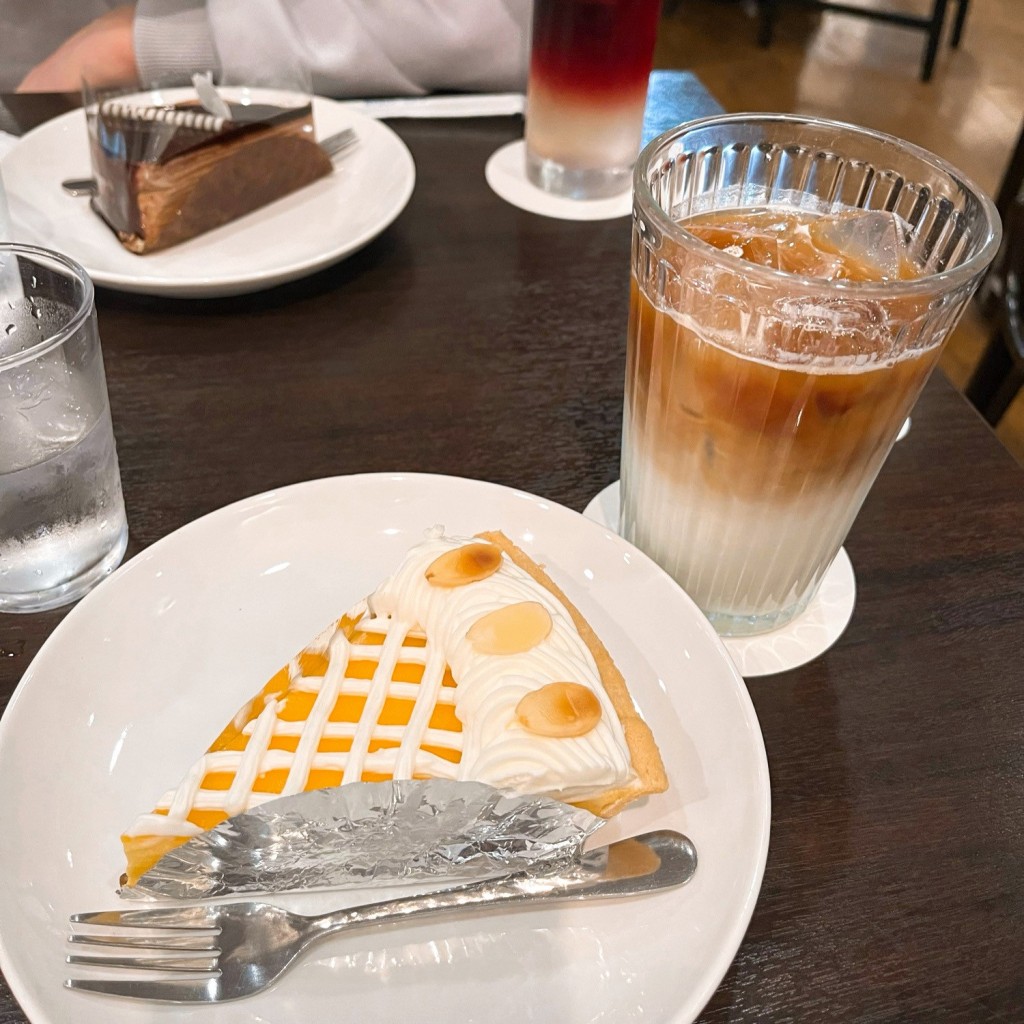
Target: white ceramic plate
(287, 239)
(138, 678)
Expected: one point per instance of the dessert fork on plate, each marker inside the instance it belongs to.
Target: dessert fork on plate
(334, 145)
(337, 143)
(213, 953)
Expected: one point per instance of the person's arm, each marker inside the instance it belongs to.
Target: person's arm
(366, 47)
(173, 40)
(340, 47)
(103, 51)
(381, 47)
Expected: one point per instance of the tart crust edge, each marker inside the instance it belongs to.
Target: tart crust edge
(643, 751)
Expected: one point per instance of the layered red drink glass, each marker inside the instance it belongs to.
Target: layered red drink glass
(589, 68)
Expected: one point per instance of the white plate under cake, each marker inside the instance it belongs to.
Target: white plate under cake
(291, 238)
(132, 685)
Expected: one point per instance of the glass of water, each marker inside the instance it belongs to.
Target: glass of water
(62, 519)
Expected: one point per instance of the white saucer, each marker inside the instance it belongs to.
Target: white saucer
(285, 240)
(172, 643)
(807, 637)
(506, 174)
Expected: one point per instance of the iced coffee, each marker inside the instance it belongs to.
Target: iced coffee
(774, 350)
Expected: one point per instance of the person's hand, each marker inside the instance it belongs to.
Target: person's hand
(103, 52)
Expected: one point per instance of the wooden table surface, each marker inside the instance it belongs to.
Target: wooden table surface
(478, 340)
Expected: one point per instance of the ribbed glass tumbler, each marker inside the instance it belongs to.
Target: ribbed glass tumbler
(760, 404)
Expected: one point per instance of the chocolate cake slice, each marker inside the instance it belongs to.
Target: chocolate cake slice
(167, 174)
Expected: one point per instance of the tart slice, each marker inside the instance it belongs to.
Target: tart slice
(468, 664)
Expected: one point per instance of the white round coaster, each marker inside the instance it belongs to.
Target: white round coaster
(506, 174)
(904, 430)
(809, 635)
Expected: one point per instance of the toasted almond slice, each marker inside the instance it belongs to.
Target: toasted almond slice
(559, 709)
(468, 564)
(510, 630)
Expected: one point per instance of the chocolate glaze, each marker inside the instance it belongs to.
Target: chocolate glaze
(160, 183)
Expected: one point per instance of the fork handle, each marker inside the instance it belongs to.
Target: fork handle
(656, 860)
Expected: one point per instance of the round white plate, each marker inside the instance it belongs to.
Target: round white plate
(141, 675)
(287, 239)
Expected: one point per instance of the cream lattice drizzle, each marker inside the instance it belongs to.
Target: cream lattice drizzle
(495, 748)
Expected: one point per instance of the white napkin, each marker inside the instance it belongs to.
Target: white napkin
(476, 105)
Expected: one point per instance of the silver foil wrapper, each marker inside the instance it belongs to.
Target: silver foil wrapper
(372, 834)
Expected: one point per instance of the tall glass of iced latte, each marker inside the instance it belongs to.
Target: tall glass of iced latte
(793, 281)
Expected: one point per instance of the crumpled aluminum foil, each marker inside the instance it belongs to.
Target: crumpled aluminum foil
(372, 833)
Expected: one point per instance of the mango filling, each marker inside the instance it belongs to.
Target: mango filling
(296, 706)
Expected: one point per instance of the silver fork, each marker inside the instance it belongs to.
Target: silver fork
(334, 145)
(339, 142)
(210, 954)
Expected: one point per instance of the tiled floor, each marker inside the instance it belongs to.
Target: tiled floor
(856, 70)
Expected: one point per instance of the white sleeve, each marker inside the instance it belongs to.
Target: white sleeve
(349, 47)
(172, 39)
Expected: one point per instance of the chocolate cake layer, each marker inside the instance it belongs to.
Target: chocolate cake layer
(165, 175)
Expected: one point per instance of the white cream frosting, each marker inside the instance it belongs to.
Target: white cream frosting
(495, 747)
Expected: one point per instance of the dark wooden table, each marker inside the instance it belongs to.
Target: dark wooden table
(477, 340)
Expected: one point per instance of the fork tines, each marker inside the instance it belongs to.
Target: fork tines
(164, 918)
(168, 991)
(204, 964)
(177, 938)
(339, 142)
(177, 941)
